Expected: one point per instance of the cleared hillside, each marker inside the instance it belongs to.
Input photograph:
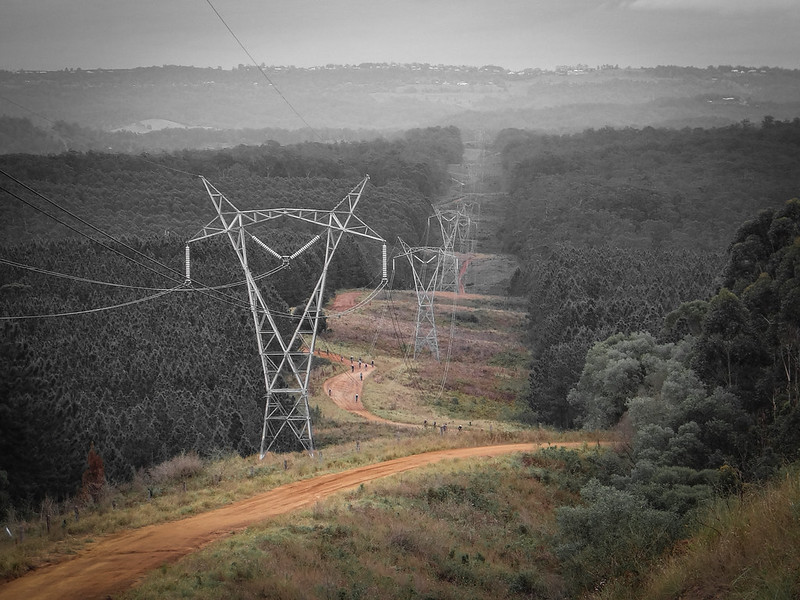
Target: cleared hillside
(114, 564)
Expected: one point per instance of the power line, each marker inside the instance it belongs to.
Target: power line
(230, 300)
(264, 73)
(201, 290)
(94, 310)
(81, 233)
(17, 265)
(179, 288)
(177, 170)
(25, 108)
(205, 288)
(222, 297)
(83, 221)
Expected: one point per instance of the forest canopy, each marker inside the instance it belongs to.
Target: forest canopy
(709, 414)
(614, 229)
(661, 268)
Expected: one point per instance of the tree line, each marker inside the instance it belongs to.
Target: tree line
(148, 194)
(616, 228)
(710, 406)
(686, 343)
(20, 135)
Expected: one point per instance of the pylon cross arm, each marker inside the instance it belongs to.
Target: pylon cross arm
(229, 217)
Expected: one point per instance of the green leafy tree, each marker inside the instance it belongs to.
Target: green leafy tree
(614, 533)
(616, 370)
(729, 351)
(685, 320)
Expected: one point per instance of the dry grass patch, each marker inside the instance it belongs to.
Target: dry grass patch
(179, 467)
(145, 501)
(483, 366)
(458, 529)
(399, 389)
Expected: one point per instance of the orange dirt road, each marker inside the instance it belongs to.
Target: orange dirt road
(117, 562)
(345, 300)
(343, 388)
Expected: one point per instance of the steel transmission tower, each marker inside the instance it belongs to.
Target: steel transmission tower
(458, 237)
(467, 227)
(448, 272)
(286, 352)
(425, 265)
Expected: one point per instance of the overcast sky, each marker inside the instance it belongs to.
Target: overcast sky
(54, 34)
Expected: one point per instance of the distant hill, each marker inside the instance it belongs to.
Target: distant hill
(378, 97)
(151, 125)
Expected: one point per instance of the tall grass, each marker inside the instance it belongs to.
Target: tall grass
(179, 488)
(451, 531)
(745, 547)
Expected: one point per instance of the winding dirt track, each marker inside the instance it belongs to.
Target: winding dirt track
(117, 562)
(344, 388)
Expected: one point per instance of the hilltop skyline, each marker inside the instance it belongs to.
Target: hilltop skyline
(516, 34)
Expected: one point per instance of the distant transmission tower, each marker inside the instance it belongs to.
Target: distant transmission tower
(448, 271)
(286, 351)
(458, 228)
(425, 264)
(467, 227)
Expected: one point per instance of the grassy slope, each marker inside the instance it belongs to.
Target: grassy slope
(167, 492)
(745, 548)
(477, 530)
(478, 379)
(462, 529)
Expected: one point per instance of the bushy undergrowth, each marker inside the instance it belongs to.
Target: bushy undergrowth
(179, 467)
(623, 521)
(614, 533)
(745, 546)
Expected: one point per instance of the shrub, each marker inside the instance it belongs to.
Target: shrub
(615, 533)
(527, 583)
(177, 467)
(466, 317)
(94, 477)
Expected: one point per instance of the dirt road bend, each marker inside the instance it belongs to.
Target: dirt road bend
(346, 390)
(117, 562)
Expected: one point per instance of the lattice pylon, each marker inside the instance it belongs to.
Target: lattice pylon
(425, 265)
(448, 277)
(458, 237)
(448, 271)
(466, 229)
(286, 352)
